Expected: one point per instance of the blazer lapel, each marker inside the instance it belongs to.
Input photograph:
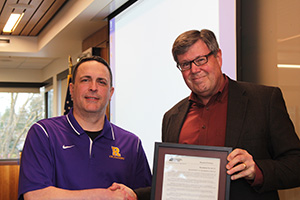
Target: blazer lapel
(176, 121)
(237, 104)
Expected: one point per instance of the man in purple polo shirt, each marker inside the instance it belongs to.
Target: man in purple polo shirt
(82, 155)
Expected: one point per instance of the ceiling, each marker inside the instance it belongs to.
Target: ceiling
(36, 15)
(49, 29)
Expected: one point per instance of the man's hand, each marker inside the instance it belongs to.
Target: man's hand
(130, 194)
(240, 165)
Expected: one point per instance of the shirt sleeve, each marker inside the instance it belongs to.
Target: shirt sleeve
(36, 168)
(259, 178)
(281, 171)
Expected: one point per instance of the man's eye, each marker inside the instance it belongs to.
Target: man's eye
(200, 60)
(185, 65)
(102, 82)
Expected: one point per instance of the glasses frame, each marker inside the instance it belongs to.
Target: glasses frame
(193, 61)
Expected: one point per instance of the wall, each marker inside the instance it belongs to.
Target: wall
(270, 36)
(19, 75)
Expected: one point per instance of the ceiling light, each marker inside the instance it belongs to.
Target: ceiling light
(287, 66)
(12, 22)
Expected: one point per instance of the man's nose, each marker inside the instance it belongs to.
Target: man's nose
(93, 86)
(195, 68)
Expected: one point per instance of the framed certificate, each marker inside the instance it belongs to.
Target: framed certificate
(193, 172)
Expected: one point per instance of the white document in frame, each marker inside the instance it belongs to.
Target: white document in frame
(190, 178)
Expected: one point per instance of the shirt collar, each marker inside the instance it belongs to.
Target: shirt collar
(219, 96)
(107, 130)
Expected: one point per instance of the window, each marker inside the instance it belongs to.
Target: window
(49, 103)
(18, 111)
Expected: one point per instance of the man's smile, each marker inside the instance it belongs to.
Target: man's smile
(92, 98)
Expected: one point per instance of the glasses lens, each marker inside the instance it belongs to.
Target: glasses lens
(185, 66)
(200, 61)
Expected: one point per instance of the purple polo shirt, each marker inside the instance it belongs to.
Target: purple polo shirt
(57, 152)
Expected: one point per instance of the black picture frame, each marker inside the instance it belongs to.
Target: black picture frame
(161, 149)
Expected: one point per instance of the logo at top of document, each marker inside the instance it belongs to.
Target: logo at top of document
(115, 153)
(67, 146)
(175, 159)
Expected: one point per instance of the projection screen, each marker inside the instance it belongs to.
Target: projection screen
(146, 80)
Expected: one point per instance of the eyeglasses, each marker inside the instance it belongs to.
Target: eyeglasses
(201, 60)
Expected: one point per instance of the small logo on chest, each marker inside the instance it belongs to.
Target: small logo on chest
(115, 153)
(67, 146)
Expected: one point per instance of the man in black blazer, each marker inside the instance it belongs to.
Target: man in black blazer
(222, 112)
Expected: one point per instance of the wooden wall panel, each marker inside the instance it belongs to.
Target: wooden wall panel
(98, 39)
(9, 181)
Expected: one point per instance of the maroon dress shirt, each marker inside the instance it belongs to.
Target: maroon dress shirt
(206, 124)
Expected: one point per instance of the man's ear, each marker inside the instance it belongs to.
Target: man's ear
(112, 89)
(219, 57)
(71, 88)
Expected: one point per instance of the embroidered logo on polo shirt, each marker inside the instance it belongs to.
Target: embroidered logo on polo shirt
(67, 146)
(115, 153)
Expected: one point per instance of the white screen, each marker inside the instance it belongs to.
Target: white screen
(146, 80)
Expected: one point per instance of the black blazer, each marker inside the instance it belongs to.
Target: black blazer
(257, 121)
